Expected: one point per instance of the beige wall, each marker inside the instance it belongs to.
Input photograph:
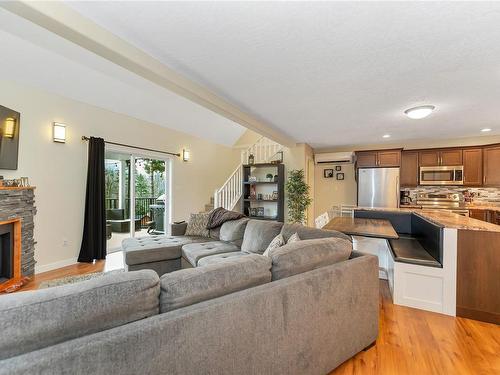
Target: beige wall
(59, 170)
(329, 192)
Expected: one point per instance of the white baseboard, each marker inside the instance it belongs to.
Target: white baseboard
(52, 266)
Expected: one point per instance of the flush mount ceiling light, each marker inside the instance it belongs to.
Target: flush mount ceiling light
(485, 130)
(386, 136)
(420, 112)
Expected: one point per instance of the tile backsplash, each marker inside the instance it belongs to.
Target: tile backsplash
(482, 195)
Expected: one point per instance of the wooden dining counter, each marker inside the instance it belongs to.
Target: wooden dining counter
(377, 228)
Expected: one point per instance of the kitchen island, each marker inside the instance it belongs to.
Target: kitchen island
(464, 282)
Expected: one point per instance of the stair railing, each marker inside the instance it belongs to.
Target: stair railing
(263, 151)
(231, 191)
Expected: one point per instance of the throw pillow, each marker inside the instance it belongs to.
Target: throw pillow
(293, 238)
(197, 225)
(277, 241)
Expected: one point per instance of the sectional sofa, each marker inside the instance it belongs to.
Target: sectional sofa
(235, 238)
(304, 309)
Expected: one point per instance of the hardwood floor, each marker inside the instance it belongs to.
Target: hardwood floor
(413, 341)
(113, 261)
(410, 341)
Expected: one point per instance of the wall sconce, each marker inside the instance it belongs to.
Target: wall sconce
(186, 155)
(59, 132)
(10, 127)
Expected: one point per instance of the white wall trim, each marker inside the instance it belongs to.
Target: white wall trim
(52, 266)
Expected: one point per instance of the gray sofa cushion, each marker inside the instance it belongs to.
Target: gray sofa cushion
(187, 287)
(38, 319)
(259, 234)
(195, 251)
(155, 248)
(217, 258)
(233, 231)
(308, 233)
(303, 256)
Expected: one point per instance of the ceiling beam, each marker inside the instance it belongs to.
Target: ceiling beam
(71, 25)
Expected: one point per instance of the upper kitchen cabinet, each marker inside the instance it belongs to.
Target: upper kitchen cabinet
(491, 165)
(389, 158)
(382, 158)
(452, 157)
(366, 159)
(473, 166)
(432, 158)
(429, 158)
(409, 169)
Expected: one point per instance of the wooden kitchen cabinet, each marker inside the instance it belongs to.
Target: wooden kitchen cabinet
(391, 158)
(382, 158)
(409, 169)
(429, 158)
(452, 157)
(473, 166)
(366, 159)
(478, 214)
(491, 165)
(433, 158)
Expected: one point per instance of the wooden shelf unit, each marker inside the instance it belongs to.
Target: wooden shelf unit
(264, 187)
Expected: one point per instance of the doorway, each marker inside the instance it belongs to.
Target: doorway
(138, 199)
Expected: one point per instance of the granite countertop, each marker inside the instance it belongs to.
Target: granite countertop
(444, 218)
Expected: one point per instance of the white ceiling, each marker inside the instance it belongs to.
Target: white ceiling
(34, 56)
(330, 73)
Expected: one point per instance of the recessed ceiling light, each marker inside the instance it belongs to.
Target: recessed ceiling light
(418, 113)
(386, 136)
(485, 130)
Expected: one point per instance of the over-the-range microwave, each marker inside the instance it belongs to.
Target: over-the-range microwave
(451, 175)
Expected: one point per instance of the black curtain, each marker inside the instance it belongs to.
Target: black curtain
(94, 228)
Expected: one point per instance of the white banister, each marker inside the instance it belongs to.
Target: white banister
(231, 191)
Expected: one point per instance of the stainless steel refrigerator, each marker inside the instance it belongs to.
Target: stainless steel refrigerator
(378, 187)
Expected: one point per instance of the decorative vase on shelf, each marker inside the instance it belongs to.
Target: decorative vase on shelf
(251, 159)
(269, 177)
(275, 178)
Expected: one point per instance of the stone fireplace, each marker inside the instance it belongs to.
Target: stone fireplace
(17, 246)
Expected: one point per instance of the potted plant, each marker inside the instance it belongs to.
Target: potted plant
(298, 196)
(269, 177)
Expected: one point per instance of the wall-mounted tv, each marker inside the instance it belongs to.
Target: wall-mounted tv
(9, 137)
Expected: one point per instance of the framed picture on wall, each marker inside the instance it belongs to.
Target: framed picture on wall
(338, 168)
(327, 173)
(340, 176)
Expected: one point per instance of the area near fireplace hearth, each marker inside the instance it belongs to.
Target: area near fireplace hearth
(17, 244)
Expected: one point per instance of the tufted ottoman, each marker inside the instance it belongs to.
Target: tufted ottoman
(159, 253)
(193, 252)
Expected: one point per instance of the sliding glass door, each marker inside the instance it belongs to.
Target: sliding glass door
(137, 196)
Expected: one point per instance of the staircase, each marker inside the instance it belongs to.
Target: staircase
(229, 194)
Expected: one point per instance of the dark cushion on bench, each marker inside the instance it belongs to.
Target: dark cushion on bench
(409, 250)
